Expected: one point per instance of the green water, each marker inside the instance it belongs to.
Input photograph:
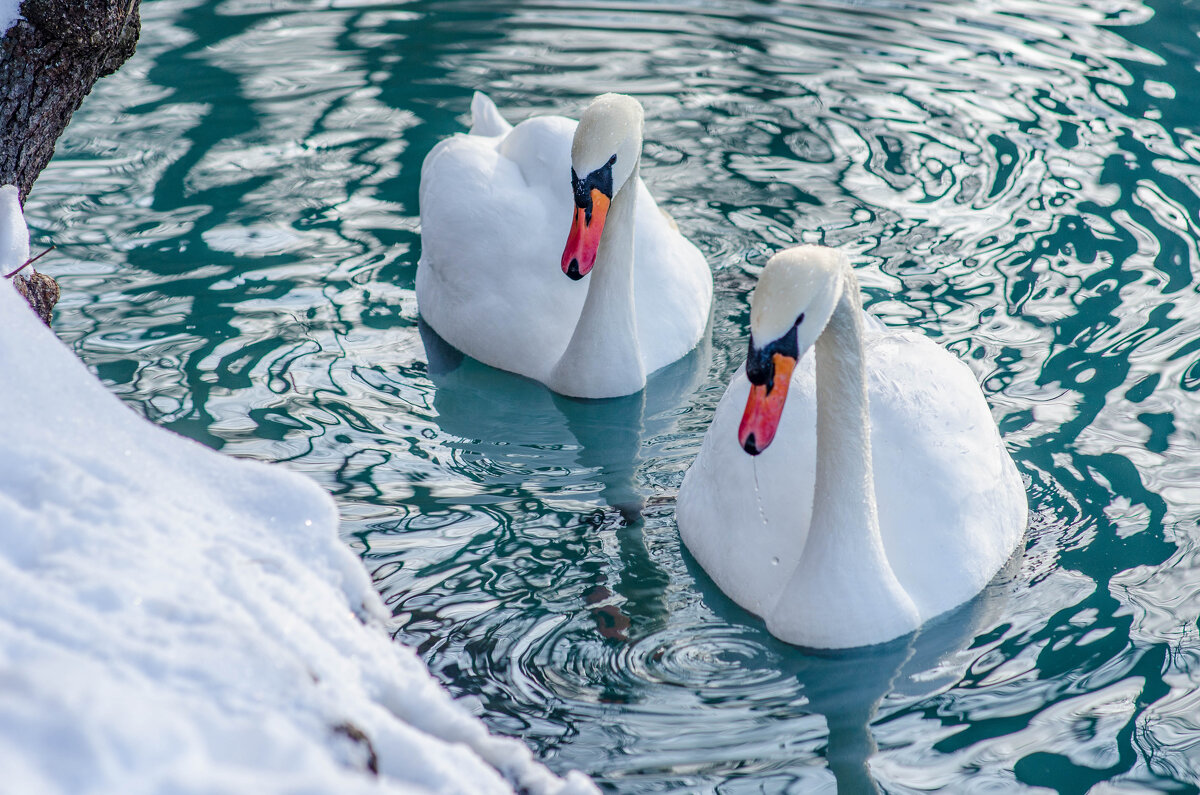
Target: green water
(237, 227)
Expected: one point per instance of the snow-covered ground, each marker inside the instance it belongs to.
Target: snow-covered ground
(173, 620)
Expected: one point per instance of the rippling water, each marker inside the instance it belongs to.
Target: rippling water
(236, 219)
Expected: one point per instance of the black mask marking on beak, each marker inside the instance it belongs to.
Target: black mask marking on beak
(760, 366)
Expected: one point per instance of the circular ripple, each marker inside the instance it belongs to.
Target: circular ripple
(722, 661)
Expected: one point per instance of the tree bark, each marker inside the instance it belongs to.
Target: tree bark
(49, 61)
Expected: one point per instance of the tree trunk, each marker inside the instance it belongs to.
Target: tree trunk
(49, 62)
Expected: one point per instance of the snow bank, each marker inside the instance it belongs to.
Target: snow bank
(174, 620)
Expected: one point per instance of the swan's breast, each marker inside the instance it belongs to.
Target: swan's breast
(745, 518)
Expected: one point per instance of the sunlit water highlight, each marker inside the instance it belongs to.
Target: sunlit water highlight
(236, 219)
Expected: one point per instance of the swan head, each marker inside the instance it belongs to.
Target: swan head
(604, 153)
(789, 308)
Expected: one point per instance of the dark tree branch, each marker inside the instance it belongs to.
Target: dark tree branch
(28, 262)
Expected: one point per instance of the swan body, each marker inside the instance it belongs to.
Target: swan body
(499, 204)
(877, 492)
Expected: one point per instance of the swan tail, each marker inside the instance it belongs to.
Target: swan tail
(485, 117)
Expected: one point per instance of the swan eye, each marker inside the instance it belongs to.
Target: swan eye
(612, 160)
(799, 320)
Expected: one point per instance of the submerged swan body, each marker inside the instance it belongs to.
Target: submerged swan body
(503, 208)
(851, 495)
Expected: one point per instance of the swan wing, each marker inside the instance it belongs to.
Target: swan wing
(494, 217)
(952, 506)
(672, 286)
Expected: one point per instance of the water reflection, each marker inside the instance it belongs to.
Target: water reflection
(850, 688)
(507, 424)
(498, 415)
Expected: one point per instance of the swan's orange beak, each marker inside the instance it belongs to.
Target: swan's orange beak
(764, 407)
(582, 243)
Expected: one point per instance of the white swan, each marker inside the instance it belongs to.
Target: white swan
(503, 207)
(887, 496)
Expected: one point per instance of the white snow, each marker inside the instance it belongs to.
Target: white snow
(14, 235)
(173, 620)
(10, 12)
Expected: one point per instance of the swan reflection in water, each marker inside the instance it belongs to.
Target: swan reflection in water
(527, 439)
(847, 686)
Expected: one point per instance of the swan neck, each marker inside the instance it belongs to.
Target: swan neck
(603, 358)
(613, 272)
(844, 499)
(844, 568)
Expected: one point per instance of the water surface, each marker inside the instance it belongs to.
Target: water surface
(237, 227)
